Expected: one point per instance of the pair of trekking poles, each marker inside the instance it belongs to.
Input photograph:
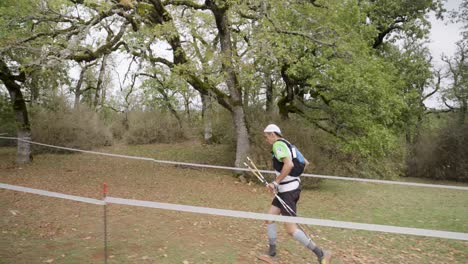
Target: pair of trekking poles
(255, 171)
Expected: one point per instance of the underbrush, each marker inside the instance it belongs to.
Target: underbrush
(441, 154)
(322, 150)
(7, 124)
(59, 124)
(147, 127)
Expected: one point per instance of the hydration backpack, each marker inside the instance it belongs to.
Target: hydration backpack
(297, 159)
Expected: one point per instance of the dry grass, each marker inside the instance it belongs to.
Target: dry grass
(38, 229)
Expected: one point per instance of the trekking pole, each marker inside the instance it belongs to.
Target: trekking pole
(262, 179)
(256, 169)
(104, 194)
(259, 175)
(283, 203)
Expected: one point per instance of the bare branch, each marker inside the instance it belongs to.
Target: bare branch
(154, 59)
(72, 30)
(437, 86)
(446, 104)
(90, 55)
(316, 123)
(112, 108)
(309, 36)
(129, 68)
(438, 111)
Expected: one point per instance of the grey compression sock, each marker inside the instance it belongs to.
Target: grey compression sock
(300, 236)
(271, 231)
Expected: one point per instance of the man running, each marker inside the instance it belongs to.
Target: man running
(287, 165)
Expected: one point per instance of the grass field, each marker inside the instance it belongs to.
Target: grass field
(38, 229)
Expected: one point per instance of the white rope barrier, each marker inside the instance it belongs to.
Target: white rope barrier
(244, 169)
(51, 194)
(247, 215)
(290, 219)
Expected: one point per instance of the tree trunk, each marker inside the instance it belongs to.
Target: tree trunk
(76, 104)
(170, 106)
(288, 98)
(24, 130)
(24, 154)
(103, 96)
(246, 97)
(269, 93)
(232, 81)
(100, 82)
(243, 143)
(207, 117)
(463, 111)
(20, 110)
(233, 101)
(187, 107)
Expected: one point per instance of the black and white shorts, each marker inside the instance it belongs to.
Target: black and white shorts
(290, 198)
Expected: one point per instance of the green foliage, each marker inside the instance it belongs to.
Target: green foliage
(12, 13)
(351, 91)
(100, 5)
(404, 17)
(462, 17)
(321, 149)
(414, 72)
(439, 149)
(222, 128)
(144, 9)
(159, 93)
(26, 18)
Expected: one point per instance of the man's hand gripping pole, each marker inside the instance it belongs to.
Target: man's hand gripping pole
(260, 177)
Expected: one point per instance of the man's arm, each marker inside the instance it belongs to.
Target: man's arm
(287, 167)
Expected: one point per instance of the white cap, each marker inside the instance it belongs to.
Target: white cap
(272, 128)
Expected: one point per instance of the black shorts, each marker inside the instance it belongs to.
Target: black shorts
(290, 198)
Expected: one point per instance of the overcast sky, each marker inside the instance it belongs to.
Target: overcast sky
(442, 41)
(444, 34)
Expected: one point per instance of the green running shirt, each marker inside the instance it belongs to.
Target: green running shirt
(281, 150)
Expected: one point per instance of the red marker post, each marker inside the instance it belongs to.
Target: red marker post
(104, 194)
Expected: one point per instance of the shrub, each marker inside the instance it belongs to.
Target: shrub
(323, 151)
(147, 127)
(118, 125)
(441, 154)
(223, 130)
(58, 124)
